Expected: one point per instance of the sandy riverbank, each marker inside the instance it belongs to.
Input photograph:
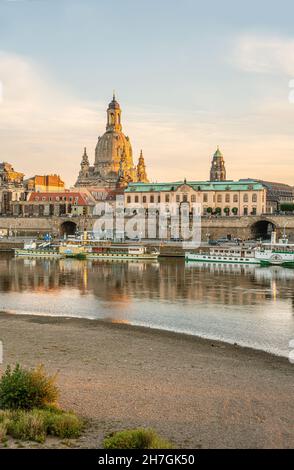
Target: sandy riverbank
(196, 392)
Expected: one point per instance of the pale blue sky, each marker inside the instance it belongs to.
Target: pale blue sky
(189, 76)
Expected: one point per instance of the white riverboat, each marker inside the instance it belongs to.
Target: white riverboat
(44, 250)
(227, 254)
(275, 253)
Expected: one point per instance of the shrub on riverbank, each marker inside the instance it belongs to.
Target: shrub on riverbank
(22, 388)
(28, 407)
(136, 439)
(36, 424)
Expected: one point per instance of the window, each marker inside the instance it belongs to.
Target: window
(167, 198)
(193, 198)
(254, 210)
(245, 211)
(235, 198)
(185, 198)
(151, 198)
(178, 198)
(144, 199)
(245, 197)
(227, 198)
(128, 199)
(158, 199)
(219, 198)
(136, 198)
(205, 197)
(254, 197)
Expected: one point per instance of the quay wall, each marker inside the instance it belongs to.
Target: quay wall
(212, 228)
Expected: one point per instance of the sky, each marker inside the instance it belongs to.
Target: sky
(189, 76)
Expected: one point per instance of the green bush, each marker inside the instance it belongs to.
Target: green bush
(25, 389)
(36, 424)
(64, 425)
(135, 439)
(26, 425)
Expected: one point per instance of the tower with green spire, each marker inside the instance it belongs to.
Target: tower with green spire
(218, 168)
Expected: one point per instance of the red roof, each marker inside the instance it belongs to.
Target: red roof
(78, 197)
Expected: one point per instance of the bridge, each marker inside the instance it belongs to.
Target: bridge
(245, 227)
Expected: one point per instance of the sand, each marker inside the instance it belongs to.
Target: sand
(197, 393)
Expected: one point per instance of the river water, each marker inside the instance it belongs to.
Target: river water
(249, 305)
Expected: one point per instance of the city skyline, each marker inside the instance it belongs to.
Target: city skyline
(185, 86)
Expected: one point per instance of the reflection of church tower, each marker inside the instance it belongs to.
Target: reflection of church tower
(141, 170)
(218, 169)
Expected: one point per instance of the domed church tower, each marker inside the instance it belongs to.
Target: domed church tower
(111, 146)
(113, 156)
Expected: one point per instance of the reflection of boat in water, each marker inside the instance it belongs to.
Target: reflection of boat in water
(260, 273)
(273, 272)
(218, 267)
(229, 255)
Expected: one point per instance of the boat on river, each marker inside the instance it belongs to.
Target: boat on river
(122, 252)
(43, 250)
(275, 253)
(227, 254)
(88, 251)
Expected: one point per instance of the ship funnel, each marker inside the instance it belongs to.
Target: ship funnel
(274, 237)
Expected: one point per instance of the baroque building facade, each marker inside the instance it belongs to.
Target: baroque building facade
(229, 198)
(113, 165)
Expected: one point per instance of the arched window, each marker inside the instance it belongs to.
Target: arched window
(235, 198)
(219, 198)
(245, 197)
(227, 197)
(254, 197)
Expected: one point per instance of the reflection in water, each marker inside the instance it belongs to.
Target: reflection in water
(246, 304)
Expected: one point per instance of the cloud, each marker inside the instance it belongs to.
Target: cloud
(265, 54)
(44, 127)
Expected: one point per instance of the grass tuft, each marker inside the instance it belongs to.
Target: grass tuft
(136, 439)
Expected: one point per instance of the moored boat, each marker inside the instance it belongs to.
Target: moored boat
(231, 254)
(121, 252)
(44, 250)
(275, 253)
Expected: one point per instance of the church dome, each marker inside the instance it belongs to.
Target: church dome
(113, 144)
(110, 147)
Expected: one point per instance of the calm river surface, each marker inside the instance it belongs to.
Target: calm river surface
(248, 305)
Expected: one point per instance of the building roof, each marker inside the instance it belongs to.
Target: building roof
(81, 198)
(196, 185)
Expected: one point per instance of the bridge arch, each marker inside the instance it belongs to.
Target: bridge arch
(68, 228)
(262, 229)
